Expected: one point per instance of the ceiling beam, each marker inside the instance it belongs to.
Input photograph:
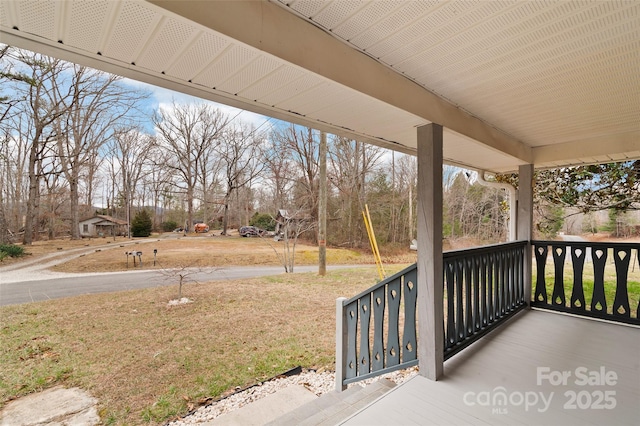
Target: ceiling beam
(589, 149)
(274, 30)
(50, 48)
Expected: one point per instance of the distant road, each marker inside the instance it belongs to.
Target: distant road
(12, 293)
(570, 238)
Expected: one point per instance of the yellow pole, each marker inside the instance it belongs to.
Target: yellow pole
(373, 242)
(373, 250)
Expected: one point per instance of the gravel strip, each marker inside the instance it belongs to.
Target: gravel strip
(317, 382)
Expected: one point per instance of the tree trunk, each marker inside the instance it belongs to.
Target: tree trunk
(32, 199)
(225, 218)
(4, 227)
(190, 208)
(75, 218)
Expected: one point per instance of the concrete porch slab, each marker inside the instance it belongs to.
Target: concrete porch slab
(268, 408)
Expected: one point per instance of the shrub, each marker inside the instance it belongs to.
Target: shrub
(141, 224)
(263, 221)
(11, 250)
(169, 225)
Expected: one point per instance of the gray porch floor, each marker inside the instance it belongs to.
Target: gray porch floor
(509, 362)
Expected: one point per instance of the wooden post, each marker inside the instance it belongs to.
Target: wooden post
(341, 344)
(524, 230)
(322, 207)
(430, 278)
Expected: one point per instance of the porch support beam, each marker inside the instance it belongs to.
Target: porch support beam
(524, 230)
(430, 278)
(273, 29)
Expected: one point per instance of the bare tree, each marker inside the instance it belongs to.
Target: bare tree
(8, 73)
(407, 181)
(209, 178)
(4, 177)
(280, 174)
(301, 146)
(130, 151)
(158, 178)
(290, 227)
(95, 106)
(350, 163)
(188, 133)
(13, 167)
(44, 108)
(241, 154)
(53, 201)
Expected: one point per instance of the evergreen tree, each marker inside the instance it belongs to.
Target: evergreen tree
(141, 224)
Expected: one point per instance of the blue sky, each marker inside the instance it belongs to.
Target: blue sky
(161, 98)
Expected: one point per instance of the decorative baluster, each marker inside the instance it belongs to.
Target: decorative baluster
(497, 295)
(501, 284)
(379, 301)
(364, 365)
(410, 291)
(509, 270)
(483, 290)
(540, 295)
(459, 280)
(599, 301)
(512, 279)
(467, 264)
(522, 298)
(393, 339)
(622, 257)
(578, 256)
(491, 287)
(352, 328)
(450, 289)
(559, 254)
(475, 277)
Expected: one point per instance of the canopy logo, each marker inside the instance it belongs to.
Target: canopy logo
(499, 399)
(578, 389)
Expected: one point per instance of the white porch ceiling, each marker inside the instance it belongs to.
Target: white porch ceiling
(513, 82)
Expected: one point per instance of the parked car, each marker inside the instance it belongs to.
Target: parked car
(251, 231)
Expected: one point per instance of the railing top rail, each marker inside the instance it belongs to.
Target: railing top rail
(584, 243)
(452, 254)
(382, 283)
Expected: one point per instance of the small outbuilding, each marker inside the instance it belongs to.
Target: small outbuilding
(102, 225)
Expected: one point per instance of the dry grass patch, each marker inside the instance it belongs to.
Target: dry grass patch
(147, 362)
(174, 250)
(205, 252)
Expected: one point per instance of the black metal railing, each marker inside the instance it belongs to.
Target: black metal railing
(588, 279)
(482, 287)
(369, 329)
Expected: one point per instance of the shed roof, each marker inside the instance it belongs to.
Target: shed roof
(105, 220)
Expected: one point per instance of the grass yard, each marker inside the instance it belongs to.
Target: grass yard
(176, 251)
(147, 362)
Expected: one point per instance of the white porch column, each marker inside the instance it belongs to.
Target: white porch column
(524, 230)
(430, 278)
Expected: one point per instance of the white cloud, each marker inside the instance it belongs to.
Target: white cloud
(162, 98)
